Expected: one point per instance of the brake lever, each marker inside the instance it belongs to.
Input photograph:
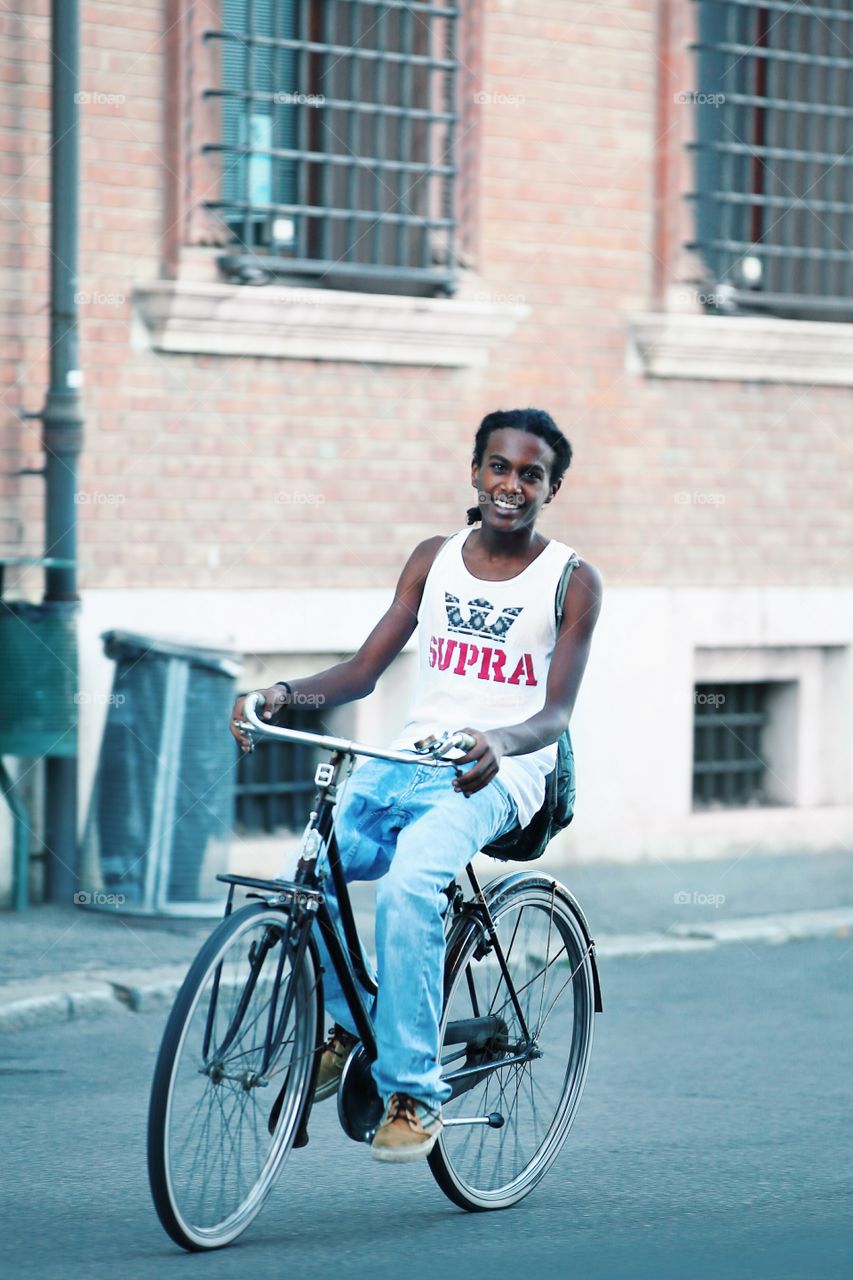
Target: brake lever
(439, 747)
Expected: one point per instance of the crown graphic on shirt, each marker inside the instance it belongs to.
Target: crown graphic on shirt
(480, 621)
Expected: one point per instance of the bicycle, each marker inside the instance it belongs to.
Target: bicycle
(234, 1080)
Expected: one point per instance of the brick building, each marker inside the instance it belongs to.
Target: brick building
(320, 240)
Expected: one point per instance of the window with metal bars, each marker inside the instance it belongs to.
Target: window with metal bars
(337, 141)
(275, 782)
(729, 766)
(774, 156)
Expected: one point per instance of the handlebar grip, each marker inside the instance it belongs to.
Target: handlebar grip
(463, 741)
(251, 707)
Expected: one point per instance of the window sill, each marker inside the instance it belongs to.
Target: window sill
(320, 324)
(741, 349)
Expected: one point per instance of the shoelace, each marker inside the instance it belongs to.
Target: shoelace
(403, 1107)
(338, 1043)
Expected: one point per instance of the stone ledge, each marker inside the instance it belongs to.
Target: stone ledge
(321, 324)
(740, 349)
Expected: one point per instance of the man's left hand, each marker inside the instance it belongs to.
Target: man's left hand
(487, 753)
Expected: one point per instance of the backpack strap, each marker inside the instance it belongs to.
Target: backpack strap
(563, 586)
(523, 844)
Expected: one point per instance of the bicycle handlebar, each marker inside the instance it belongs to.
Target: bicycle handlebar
(432, 751)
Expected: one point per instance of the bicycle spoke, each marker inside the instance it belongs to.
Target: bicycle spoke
(570, 978)
(530, 981)
(221, 1159)
(507, 955)
(537, 1095)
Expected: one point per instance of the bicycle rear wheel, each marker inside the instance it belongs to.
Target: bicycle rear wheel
(232, 1078)
(530, 1081)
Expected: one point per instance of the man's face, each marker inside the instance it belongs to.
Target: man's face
(513, 481)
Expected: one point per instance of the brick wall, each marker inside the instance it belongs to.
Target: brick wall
(203, 471)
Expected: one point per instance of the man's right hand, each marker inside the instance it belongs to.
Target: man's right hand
(273, 701)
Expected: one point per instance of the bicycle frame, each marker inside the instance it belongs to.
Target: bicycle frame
(304, 895)
(305, 892)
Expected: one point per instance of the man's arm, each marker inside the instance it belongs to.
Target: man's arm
(356, 677)
(568, 663)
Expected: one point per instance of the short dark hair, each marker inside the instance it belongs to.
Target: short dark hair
(536, 422)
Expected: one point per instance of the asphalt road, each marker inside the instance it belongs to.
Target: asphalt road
(713, 1140)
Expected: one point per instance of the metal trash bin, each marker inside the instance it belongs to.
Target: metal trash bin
(38, 678)
(160, 818)
(38, 696)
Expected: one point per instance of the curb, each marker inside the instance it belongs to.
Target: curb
(617, 946)
(791, 926)
(86, 995)
(144, 990)
(74, 996)
(30, 1004)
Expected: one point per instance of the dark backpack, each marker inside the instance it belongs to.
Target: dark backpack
(523, 844)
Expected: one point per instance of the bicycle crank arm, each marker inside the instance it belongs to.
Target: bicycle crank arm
(494, 1121)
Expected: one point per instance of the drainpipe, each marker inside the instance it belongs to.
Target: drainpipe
(62, 419)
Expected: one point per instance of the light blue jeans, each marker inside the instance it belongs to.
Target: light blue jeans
(406, 827)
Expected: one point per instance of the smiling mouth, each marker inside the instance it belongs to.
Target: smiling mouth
(507, 504)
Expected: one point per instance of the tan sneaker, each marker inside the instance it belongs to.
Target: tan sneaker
(338, 1048)
(407, 1131)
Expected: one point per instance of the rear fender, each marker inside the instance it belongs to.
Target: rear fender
(496, 890)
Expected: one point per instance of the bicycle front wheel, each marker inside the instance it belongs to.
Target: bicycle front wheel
(529, 1076)
(232, 1077)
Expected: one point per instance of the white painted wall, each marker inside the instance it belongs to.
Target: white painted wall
(633, 723)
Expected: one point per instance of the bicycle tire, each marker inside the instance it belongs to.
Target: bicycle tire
(207, 1074)
(485, 1168)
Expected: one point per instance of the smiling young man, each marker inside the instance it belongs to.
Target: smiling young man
(492, 663)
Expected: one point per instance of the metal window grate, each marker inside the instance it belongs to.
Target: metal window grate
(338, 129)
(275, 782)
(774, 156)
(728, 765)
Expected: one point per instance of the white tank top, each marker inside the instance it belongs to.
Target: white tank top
(484, 653)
